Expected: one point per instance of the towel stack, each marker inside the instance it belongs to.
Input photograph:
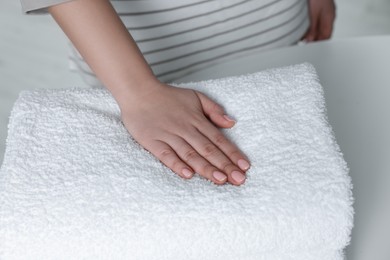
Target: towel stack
(74, 184)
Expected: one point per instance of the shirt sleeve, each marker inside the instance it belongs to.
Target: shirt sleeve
(39, 6)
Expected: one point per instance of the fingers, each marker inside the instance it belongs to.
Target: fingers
(321, 28)
(200, 164)
(208, 160)
(325, 26)
(188, 156)
(322, 15)
(311, 33)
(230, 150)
(214, 146)
(215, 112)
(173, 126)
(203, 157)
(215, 156)
(168, 157)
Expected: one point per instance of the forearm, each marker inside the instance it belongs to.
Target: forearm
(99, 35)
(172, 123)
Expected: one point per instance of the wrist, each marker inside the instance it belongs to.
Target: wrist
(128, 96)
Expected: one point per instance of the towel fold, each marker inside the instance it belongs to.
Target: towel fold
(75, 185)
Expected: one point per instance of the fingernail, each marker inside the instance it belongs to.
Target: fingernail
(238, 176)
(228, 118)
(219, 176)
(186, 173)
(244, 165)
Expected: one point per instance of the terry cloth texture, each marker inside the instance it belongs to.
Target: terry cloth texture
(75, 185)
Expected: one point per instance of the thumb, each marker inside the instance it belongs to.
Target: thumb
(215, 112)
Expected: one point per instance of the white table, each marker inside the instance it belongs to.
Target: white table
(355, 74)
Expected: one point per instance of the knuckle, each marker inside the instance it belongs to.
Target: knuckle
(190, 155)
(165, 153)
(210, 150)
(220, 139)
(197, 121)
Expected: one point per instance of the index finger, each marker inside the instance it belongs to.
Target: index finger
(226, 146)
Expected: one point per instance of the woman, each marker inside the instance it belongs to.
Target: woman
(178, 126)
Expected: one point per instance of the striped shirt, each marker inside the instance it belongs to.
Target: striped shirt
(179, 37)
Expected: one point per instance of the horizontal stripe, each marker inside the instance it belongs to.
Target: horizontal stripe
(233, 52)
(210, 24)
(160, 10)
(144, 6)
(231, 42)
(187, 18)
(227, 31)
(189, 45)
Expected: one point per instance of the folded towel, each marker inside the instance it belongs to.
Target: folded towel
(75, 185)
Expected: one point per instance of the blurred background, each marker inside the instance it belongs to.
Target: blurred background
(33, 49)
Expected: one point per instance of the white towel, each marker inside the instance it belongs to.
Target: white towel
(74, 184)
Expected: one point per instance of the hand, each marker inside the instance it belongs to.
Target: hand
(175, 125)
(322, 15)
